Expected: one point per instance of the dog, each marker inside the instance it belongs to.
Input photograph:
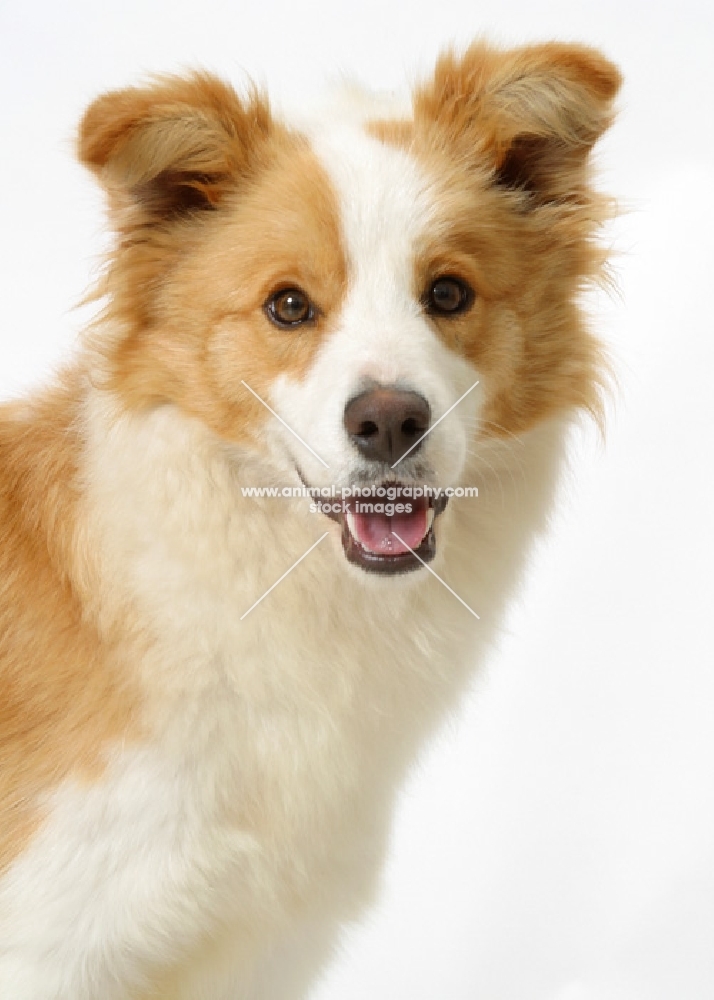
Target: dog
(244, 572)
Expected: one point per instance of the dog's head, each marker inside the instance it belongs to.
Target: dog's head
(392, 286)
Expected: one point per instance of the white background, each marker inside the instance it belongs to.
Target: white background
(558, 842)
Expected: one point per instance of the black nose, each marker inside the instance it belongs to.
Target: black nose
(385, 423)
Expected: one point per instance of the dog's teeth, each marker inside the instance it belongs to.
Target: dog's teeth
(429, 519)
(351, 523)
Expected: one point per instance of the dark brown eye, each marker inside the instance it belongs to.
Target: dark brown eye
(289, 308)
(449, 296)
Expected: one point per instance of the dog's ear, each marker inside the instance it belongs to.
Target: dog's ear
(172, 147)
(533, 114)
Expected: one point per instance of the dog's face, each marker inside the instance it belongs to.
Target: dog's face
(394, 287)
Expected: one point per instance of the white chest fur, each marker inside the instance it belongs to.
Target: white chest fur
(261, 792)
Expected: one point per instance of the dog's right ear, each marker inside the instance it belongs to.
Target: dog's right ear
(173, 147)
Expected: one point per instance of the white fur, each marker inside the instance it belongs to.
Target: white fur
(387, 207)
(218, 859)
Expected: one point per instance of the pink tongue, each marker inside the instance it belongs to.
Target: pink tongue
(374, 532)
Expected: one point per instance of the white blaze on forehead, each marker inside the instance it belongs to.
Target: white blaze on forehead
(387, 207)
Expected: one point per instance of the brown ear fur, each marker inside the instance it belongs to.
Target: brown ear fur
(166, 153)
(175, 145)
(532, 113)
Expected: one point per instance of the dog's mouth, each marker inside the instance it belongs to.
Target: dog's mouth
(391, 543)
(388, 531)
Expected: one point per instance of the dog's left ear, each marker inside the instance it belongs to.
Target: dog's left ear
(532, 114)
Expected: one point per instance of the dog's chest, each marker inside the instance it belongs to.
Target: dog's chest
(276, 742)
(247, 806)
(274, 732)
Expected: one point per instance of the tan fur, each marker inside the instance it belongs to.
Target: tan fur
(508, 135)
(190, 330)
(62, 696)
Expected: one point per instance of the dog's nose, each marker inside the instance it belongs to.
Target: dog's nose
(384, 423)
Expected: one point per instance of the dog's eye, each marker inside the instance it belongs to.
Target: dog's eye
(289, 308)
(448, 297)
